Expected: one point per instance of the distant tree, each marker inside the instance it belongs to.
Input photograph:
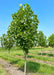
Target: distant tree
(8, 44)
(24, 28)
(2, 39)
(51, 40)
(41, 40)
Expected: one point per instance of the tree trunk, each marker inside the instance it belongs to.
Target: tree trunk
(41, 51)
(9, 57)
(53, 51)
(25, 64)
(2, 45)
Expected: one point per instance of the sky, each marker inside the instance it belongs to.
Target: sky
(43, 8)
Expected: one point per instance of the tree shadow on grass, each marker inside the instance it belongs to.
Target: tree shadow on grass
(42, 53)
(32, 67)
(46, 54)
(15, 61)
(50, 54)
(30, 56)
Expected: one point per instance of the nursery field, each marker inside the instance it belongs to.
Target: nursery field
(39, 62)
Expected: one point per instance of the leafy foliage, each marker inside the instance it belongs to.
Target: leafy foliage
(24, 26)
(51, 40)
(41, 39)
(8, 42)
(2, 40)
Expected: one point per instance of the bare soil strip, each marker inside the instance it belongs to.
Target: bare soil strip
(2, 67)
(11, 70)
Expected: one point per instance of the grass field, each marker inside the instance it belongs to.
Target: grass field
(32, 66)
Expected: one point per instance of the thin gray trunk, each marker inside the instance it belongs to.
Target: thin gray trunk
(41, 51)
(2, 45)
(25, 64)
(9, 57)
(51, 50)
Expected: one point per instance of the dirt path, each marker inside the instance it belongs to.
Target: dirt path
(3, 70)
(36, 60)
(11, 70)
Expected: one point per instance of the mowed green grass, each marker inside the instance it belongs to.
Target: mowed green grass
(31, 66)
(19, 52)
(2, 72)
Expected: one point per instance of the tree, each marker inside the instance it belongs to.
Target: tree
(41, 40)
(2, 39)
(23, 28)
(8, 44)
(51, 41)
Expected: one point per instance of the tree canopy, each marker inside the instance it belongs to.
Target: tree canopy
(24, 26)
(41, 39)
(2, 40)
(8, 42)
(51, 40)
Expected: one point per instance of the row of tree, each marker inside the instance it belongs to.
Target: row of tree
(23, 32)
(41, 40)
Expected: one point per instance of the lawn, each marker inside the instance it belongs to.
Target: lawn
(34, 67)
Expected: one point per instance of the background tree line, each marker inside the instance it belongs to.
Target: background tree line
(41, 40)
